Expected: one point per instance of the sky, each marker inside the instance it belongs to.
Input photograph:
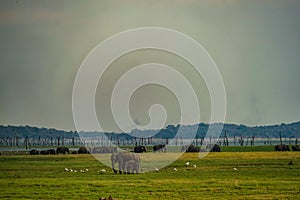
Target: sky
(255, 44)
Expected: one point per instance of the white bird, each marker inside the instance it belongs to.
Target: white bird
(175, 169)
(156, 169)
(187, 163)
(75, 170)
(195, 166)
(67, 169)
(235, 169)
(103, 170)
(71, 170)
(82, 171)
(87, 169)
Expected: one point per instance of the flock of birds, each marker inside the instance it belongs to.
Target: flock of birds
(187, 164)
(82, 170)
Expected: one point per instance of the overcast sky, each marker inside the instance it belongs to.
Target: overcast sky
(255, 44)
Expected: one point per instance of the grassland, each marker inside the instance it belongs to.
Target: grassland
(259, 175)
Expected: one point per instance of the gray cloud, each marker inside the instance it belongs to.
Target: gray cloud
(255, 44)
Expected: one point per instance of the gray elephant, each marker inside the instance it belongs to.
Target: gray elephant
(131, 167)
(104, 149)
(140, 149)
(159, 148)
(44, 152)
(34, 152)
(83, 150)
(191, 148)
(213, 148)
(295, 148)
(62, 150)
(122, 158)
(282, 147)
(51, 151)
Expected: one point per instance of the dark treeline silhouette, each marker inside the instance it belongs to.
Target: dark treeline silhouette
(231, 135)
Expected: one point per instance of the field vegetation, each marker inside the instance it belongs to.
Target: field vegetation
(225, 175)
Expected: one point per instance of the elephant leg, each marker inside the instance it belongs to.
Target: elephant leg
(120, 169)
(138, 166)
(128, 169)
(123, 167)
(121, 163)
(113, 167)
(114, 159)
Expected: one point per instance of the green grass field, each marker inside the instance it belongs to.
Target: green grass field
(247, 148)
(259, 175)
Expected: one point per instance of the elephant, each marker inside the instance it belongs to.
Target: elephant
(213, 148)
(140, 149)
(282, 147)
(111, 149)
(83, 150)
(44, 152)
(129, 160)
(51, 151)
(295, 148)
(184, 148)
(159, 148)
(131, 166)
(122, 158)
(74, 152)
(34, 152)
(62, 150)
(190, 148)
(104, 149)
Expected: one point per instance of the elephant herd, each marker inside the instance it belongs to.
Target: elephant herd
(143, 149)
(283, 147)
(156, 148)
(108, 149)
(81, 150)
(129, 162)
(193, 148)
(59, 150)
(84, 150)
(96, 150)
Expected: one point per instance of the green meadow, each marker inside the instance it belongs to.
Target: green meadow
(225, 175)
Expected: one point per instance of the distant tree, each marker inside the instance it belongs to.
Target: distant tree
(58, 141)
(241, 141)
(280, 137)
